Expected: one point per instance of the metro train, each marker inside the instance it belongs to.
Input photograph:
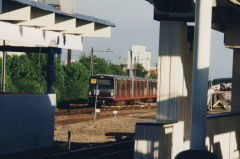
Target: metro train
(112, 90)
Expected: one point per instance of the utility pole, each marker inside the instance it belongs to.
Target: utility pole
(156, 68)
(135, 67)
(95, 108)
(91, 64)
(3, 69)
(69, 56)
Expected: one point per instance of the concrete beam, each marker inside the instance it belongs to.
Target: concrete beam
(231, 36)
(22, 14)
(100, 31)
(83, 29)
(62, 24)
(38, 37)
(43, 21)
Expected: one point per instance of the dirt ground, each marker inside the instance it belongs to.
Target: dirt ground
(94, 131)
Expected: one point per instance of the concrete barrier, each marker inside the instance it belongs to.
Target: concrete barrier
(164, 141)
(26, 121)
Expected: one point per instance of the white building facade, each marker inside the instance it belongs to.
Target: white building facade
(139, 54)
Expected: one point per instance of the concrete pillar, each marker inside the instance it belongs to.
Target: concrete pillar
(3, 69)
(202, 40)
(69, 56)
(232, 40)
(165, 138)
(235, 107)
(171, 85)
(50, 72)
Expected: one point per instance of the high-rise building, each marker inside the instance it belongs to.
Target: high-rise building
(139, 54)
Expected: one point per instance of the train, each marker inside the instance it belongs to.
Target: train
(112, 90)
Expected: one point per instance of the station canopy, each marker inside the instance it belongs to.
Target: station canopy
(224, 11)
(30, 23)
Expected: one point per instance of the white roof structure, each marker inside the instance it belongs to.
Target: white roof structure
(32, 23)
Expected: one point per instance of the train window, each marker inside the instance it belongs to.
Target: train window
(147, 87)
(150, 88)
(105, 83)
(128, 88)
(123, 88)
(117, 89)
(138, 88)
(133, 88)
(130, 92)
(154, 88)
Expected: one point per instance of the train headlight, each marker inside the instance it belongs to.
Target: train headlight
(112, 94)
(90, 93)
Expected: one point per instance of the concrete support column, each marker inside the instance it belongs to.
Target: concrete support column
(3, 69)
(69, 56)
(236, 82)
(171, 85)
(50, 72)
(202, 40)
(232, 41)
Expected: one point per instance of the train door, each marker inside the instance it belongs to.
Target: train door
(152, 85)
(138, 88)
(135, 88)
(116, 88)
(145, 88)
(123, 88)
(128, 88)
(120, 88)
(155, 89)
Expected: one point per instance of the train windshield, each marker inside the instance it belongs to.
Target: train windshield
(105, 84)
(102, 83)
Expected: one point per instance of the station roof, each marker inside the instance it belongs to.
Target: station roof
(224, 11)
(33, 23)
(54, 10)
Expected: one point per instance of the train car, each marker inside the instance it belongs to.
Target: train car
(112, 90)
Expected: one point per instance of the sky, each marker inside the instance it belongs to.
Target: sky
(135, 26)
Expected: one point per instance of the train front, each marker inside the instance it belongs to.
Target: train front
(101, 88)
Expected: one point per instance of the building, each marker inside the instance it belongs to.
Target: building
(139, 54)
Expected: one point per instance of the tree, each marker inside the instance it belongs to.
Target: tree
(153, 75)
(76, 82)
(139, 71)
(101, 66)
(28, 74)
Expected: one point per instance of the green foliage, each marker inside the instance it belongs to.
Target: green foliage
(153, 75)
(76, 82)
(28, 74)
(139, 71)
(101, 66)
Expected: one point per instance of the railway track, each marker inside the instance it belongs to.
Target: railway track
(116, 150)
(87, 110)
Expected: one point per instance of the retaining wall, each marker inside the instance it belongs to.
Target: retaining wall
(26, 121)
